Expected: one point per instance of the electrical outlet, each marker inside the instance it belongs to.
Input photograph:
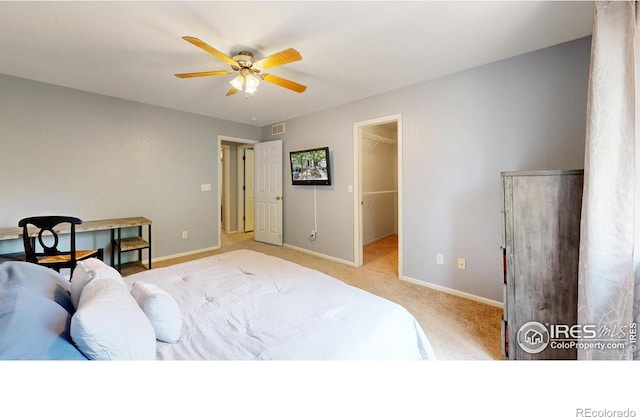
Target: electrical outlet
(185, 234)
(462, 264)
(439, 259)
(312, 236)
(205, 187)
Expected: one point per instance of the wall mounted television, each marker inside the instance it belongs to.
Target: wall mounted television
(310, 167)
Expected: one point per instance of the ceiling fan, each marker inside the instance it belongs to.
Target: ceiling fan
(248, 68)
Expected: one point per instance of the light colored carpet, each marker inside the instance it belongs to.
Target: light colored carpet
(458, 328)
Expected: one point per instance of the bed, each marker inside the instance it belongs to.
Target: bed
(239, 305)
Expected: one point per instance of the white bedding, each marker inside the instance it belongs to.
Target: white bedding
(245, 305)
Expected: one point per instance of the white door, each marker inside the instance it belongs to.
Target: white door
(249, 203)
(268, 192)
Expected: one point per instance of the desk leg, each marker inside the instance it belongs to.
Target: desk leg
(113, 247)
(149, 246)
(119, 251)
(140, 250)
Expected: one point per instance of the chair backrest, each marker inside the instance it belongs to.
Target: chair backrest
(46, 225)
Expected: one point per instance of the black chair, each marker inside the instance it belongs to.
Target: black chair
(48, 254)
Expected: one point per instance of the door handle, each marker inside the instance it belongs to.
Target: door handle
(278, 198)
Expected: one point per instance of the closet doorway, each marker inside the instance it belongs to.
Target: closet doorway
(378, 194)
(235, 185)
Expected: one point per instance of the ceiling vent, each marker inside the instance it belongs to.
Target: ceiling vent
(277, 129)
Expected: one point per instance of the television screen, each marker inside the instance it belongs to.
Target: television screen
(310, 167)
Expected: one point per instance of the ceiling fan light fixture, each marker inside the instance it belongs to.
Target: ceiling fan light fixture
(251, 84)
(237, 82)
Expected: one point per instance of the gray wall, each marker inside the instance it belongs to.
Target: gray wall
(71, 152)
(459, 133)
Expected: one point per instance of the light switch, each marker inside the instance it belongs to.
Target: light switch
(205, 187)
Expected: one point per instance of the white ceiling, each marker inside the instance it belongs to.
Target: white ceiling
(350, 50)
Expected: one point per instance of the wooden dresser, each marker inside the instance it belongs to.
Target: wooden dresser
(541, 241)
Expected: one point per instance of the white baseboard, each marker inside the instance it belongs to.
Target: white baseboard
(179, 255)
(454, 292)
(320, 255)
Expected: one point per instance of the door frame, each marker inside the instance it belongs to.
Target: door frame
(357, 192)
(242, 224)
(226, 201)
(222, 138)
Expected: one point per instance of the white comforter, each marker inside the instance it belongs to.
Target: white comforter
(246, 305)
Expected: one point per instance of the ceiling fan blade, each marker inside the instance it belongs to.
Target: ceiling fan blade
(197, 42)
(281, 58)
(202, 74)
(232, 91)
(282, 82)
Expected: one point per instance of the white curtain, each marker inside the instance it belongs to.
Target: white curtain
(608, 284)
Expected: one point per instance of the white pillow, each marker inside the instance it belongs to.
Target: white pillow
(161, 309)
(108, 323)
(87, 270)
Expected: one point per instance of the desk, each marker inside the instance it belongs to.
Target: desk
(9, 233)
